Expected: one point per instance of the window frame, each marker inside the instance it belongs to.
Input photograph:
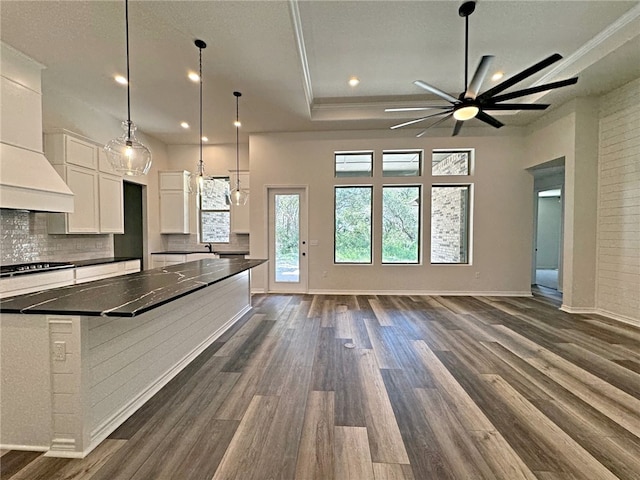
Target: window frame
(371, 223)
(470, 159)
(420, 238)
(420, 154)
(371, 154)
(201, 210)
(468, 222)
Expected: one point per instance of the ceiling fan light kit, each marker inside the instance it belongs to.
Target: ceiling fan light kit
(473, 104)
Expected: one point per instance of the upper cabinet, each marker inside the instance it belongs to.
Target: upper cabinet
(98, 192)
(174, 202)
(240, 214)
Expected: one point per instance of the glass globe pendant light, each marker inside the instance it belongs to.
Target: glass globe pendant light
(127, 155)
(238, 196)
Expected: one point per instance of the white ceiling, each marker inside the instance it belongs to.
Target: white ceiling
(292, 59)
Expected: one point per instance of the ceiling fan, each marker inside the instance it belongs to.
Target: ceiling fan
(472, 104)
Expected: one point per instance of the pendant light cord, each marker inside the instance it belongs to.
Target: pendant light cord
(237, 143)
(201, 164)
(126, 24)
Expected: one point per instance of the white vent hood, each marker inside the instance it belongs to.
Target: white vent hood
(27, 180)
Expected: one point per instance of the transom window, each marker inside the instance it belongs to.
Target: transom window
(353, 164)
(401, 163)
(451, 162)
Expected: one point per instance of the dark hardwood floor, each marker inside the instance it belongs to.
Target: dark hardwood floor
(386, 387)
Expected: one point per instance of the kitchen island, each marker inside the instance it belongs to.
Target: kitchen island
(77, 361)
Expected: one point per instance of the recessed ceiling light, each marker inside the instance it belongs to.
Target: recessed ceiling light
(194, 77)
(184, 125)
(354, 81)
(205, 139)
(497, 76)
(121, 80)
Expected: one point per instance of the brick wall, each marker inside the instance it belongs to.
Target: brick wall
(618, 256)
(25, 239)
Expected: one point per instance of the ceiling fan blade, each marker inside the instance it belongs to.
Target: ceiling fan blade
(520, 76)
(417, 109)
(436, 91)
(478, 77)
(434, 124)
(532, 90)
(516, 106)
(486, 118)
(457, 127)
(417, 120)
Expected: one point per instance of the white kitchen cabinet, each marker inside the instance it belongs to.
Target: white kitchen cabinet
(240, 214)
(174, 202)
(35, 282)
(166, 259)
(98, 191)
(83, 182)
(106, 270)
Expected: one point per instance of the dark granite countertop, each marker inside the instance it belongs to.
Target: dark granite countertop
(68, 265)
(129, 295)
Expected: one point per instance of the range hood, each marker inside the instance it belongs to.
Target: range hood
(27, 180)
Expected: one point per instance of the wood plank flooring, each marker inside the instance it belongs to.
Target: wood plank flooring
(431, 388)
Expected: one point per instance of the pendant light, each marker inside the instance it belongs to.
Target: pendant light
(126, 153)
(200, 183)
(238, 196)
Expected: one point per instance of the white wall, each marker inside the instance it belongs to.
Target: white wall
(548, 235)
(571, 132)
(502, 206)
(62, 111)
(618, 280)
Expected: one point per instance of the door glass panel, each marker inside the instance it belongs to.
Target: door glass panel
(287, 238)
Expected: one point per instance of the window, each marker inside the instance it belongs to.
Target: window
(354, 164)
(450, 224)
(401, 224)
(214, 210)
(402, 164)
(352, 237)
(451, 162)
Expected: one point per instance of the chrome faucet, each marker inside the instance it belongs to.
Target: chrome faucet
(209, 247)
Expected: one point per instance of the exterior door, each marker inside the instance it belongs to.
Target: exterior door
(288, 244)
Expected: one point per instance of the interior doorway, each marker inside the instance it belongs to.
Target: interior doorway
(131, 243)
(548, 237)
(548, 231)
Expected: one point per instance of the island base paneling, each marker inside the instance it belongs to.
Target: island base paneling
(110, 365)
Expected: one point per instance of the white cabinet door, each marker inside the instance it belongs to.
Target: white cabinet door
(81, 153)
(174, 202)
(111, 204)
(84, 185)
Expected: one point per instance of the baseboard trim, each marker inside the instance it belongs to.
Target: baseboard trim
(108, 426)
(585, 310)
(23, 448)
(526, 293)
(605, 313)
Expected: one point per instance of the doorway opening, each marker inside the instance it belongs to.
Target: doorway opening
(548, 225)
(131, 243)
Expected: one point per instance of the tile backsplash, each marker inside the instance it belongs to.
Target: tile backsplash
(25, 239)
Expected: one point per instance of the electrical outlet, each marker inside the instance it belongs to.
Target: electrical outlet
(477, 274)
(324, 274)
(60, 351)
